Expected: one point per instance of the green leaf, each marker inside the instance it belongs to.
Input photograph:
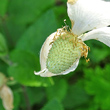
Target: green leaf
(3, 46)
(106, 72)
(57, 91)
(98, 51)
(3, 7)
(23, 69)
(53, 104)
(13, 31)
(97, 54)
(1, 105)
(34, 37)
(3, 67)
(16, 100)
(98, 84)
(26, 11)
(21, 15)
(76, 96)
(36, 95)
(61, 14)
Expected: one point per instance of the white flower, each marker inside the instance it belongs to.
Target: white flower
(62, 50)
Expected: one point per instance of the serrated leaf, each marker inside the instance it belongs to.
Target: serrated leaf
(23, 69)
(53, 104)
(98, 84)
(34, 37)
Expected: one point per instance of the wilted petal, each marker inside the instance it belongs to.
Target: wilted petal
(88, 14)
(7, 97)
(101, 34)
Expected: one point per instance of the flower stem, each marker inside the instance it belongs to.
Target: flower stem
(6, 60)
(51, 80)
(26, 98)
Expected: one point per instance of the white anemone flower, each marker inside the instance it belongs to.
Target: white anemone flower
(62, 50)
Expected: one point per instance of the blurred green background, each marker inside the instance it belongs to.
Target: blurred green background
(24, 26)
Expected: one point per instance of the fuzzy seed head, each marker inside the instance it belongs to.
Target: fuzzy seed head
(66, 49)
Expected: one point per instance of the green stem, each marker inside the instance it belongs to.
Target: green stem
(26, 98)
(7, 60)
(51, 80)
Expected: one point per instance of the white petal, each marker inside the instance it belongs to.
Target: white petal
(88, 15)
(45, 50)
(44, 73)
(43, 57)
(46, 47)
(101, 34)
(44, 54)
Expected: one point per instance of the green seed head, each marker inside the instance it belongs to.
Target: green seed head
(66, 49)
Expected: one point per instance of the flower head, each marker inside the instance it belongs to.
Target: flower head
(62, 50)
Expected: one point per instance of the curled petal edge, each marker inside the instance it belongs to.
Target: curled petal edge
(46, 73)
(101, 34)
(46, 47)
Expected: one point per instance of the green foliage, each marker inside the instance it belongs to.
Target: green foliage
(36, 95)
(1, 106)
(98, 53)
(3, 7)
(57, 91)
(24, 12)
(53, 105)
(76, 96)
(39, 30)
(98, 84)
(24, 26)
(16, 100)
(3, 46)
(23, 67)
